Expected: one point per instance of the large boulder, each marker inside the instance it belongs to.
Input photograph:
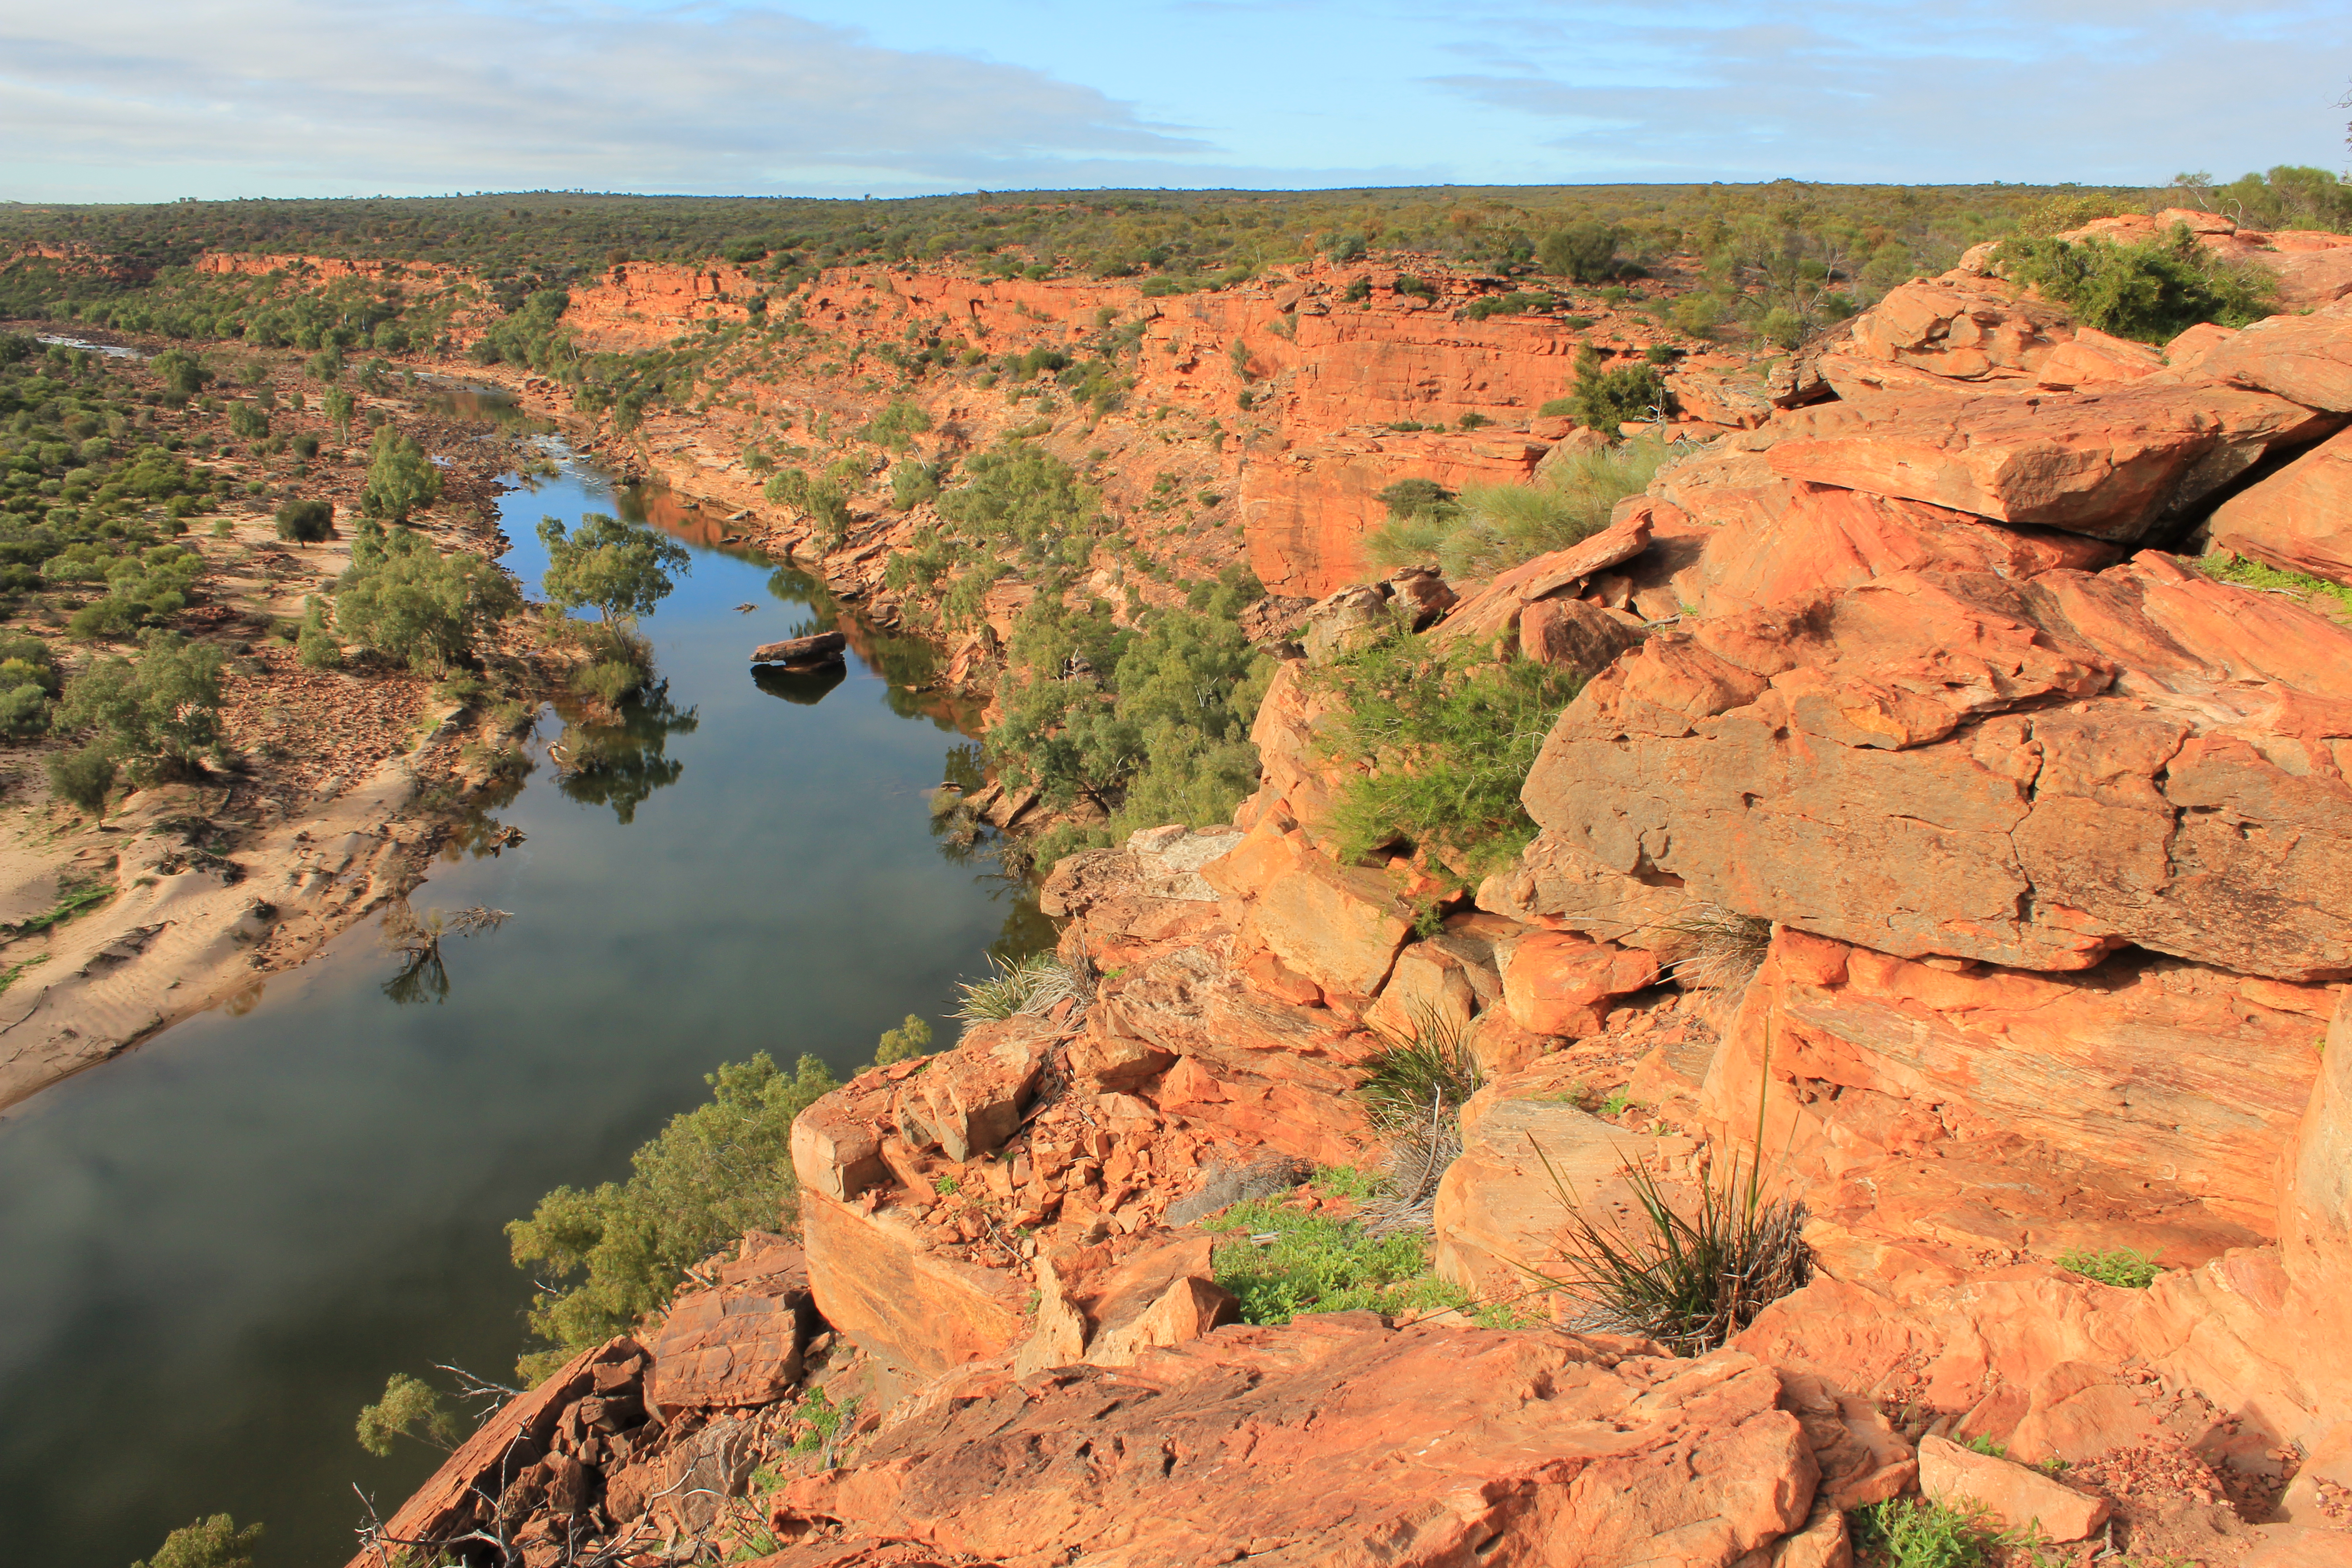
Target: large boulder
(2111, 464)
(1339, 926)
(1962, 1112)
(1528, 1152)
(1336, 1440)
(2304, 359)
(1558, 984)
(1954, 328)
(2299, 519)
(1789, 540)
(875, 1277)
(2030, 774)
(736, 1344)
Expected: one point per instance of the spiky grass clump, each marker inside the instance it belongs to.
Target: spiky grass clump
(1428, 1073)
(1726, 947)
(1031, 985)
(1688, 1282)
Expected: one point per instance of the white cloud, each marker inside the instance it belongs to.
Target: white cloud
(271, 96)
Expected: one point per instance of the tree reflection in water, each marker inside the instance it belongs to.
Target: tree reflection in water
(620, 765)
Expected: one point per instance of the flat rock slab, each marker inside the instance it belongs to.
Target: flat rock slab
(1333, 1439)
(737, 1345)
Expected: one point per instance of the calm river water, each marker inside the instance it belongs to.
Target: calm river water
(213, 1249)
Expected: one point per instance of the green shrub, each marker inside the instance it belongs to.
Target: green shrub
(85, 775)
(905, 1043)
(163, 711)
(411, 1407)
(1581, 253)
(1603, 400)
(1490, 528)
(1357, 292)
(897, 425)
(1696, 314)
(1912, 1532)
(23, 709)
(713, 1172)
(824, 501)
(141, 589)
(2122, 1267)
(1516, 303)
(912, 484)
(1448, 749)
(400, 479)
(215, 1542)
(316, 647)
(1279, 1263)
(405, 600)
(2151, 293)
(306, 521)
(1418, 288)
(247, 421)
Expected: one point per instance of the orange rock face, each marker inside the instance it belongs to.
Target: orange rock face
(2108, 464)
(2014, 1497)
(1336, 1440)
(2020, 773)
(2021, 1114)
(2299, 519)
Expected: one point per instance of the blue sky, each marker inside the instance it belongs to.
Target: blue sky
(130, 99)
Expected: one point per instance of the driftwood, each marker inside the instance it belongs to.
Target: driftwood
(824, 647)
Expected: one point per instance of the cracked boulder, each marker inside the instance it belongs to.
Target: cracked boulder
(2032, 774)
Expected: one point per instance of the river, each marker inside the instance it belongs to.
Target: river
(215, 1248)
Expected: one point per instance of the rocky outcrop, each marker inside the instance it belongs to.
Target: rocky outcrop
(2299, 519)
(1334, 1439)
(2049, 770)
(2111, 464)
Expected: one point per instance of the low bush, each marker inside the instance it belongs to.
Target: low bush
(713, 1172)
(316, 647)
(1603, 400)
(405, 600)
(1444, 750)
(1279, 1263)
(2152, 291)
(162, 712)
(1581, 253)
(1912, 1532)
(1488, 529)
(306, 521)
(824, 500)
(215, 1542)
(85, 775)
(2121, 1267)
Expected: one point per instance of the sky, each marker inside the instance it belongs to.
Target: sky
(134, 101)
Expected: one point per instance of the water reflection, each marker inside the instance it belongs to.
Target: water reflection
(805, 687)
(621, 764)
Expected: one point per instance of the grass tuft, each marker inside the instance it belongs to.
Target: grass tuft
(2246, 571)
(1031, 985)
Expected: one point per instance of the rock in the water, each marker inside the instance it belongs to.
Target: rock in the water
(820, 647)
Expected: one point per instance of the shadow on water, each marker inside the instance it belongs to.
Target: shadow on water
(215, 1248)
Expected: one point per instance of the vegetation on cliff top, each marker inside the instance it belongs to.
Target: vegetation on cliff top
(1440, 740)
